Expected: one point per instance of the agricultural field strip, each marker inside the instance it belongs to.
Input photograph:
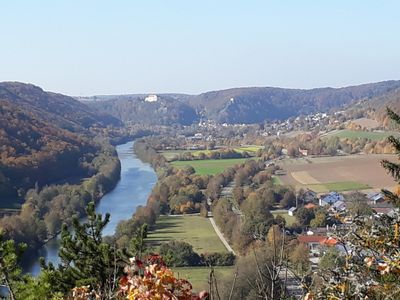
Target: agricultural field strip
(195, 230)
(304, 177)
(361, 171)
(210, 166)
(169, 154)
(353, 134)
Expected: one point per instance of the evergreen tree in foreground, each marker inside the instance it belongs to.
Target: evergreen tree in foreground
(85, 258)
(10, 254)
(393, 168)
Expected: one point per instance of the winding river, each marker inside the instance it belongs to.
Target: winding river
(137, 180)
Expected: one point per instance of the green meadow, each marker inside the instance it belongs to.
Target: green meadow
(354, 134)
(195, 230)
(209, 166)
(338, 186)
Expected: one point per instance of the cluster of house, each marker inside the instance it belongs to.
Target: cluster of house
(317, 239)
(337, 202)
(299, 123)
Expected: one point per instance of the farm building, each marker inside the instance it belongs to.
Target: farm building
(375, 198)
(383, 208)
(338, 206)
(330, 198)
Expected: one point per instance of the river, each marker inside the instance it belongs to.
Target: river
(133, 189)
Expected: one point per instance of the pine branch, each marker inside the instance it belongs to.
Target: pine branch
(392, 168)
(394, 199)
(392, 115)
(395, 142)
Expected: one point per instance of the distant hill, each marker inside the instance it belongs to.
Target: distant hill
(253, 105)
(61, 110)
(238, 105)
(167, 109)
(43, 136)
(380, 103)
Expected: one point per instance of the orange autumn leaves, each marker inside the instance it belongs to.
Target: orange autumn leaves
(153, 280)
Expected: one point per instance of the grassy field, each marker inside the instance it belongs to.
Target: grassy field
(276, 180)
(210, 166)
(170, 154)
(338, 186)
(194, 230)
(198, 276)
(352, 134)
(249, 148)
(289, 219)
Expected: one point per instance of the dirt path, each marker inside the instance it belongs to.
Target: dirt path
(292, 283)
(221, 236)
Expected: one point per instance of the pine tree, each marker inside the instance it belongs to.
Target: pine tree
(10, 272)
(391, 167)
(85, 258)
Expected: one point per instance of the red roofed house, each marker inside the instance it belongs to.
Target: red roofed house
(329, 241)
(310, 206)
(313, 242)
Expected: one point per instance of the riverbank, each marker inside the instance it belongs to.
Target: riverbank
(136, 181)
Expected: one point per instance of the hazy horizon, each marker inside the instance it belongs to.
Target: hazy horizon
(107, 48)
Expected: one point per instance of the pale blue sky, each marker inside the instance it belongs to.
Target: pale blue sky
(113, 47)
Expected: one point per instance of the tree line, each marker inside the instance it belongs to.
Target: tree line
(46, 209)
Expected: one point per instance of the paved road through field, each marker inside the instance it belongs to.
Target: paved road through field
(221, 236)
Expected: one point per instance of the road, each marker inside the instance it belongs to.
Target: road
(221, 236)
(293, 284)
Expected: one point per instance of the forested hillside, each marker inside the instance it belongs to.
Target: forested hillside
(167, 110)
(44, 137)
(237, 105)
(379, 105)
(253, 105)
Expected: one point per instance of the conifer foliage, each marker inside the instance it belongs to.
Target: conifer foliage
(391, 167)
(86, 259)
(10, 255)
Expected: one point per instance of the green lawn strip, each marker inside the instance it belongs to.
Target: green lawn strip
(289, 219)
(338, 186)
(198, 276)
(250, 148)
(276, 180)
(353, 134)
(194, 230)
(170, 154)
(210, 166)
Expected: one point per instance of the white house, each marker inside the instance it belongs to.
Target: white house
(151, 98)
(291, 211)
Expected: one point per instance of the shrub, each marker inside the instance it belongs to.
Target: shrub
(218, 259)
